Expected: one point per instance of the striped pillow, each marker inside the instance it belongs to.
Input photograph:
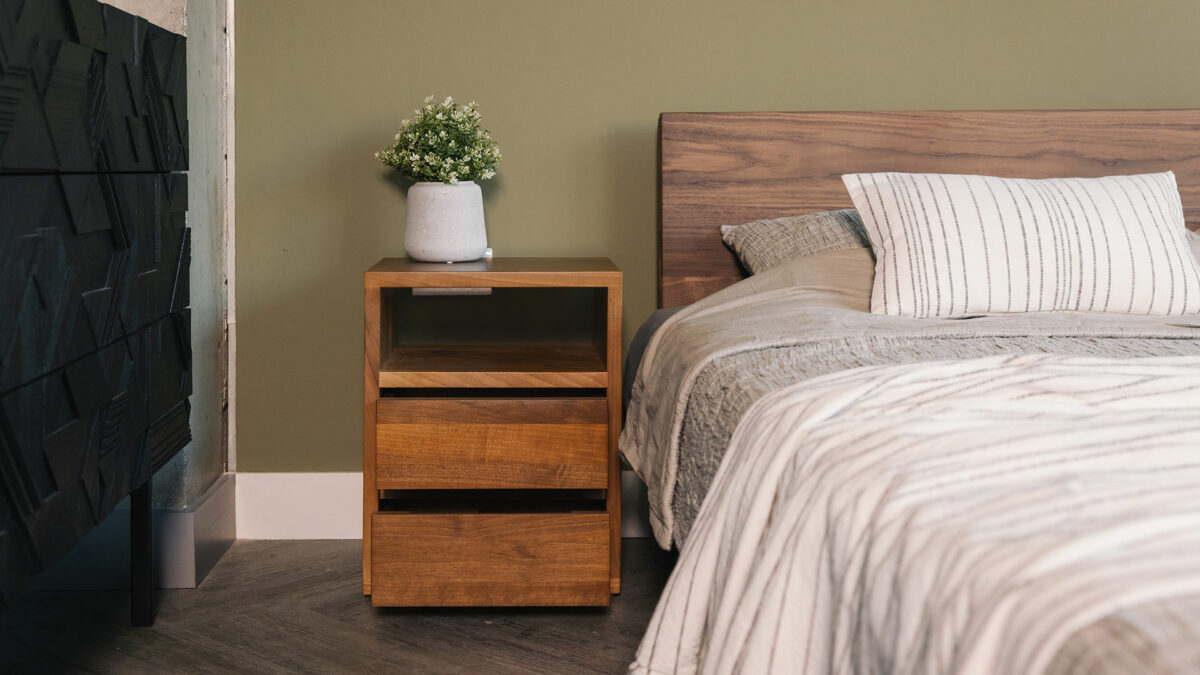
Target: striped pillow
(951, 245)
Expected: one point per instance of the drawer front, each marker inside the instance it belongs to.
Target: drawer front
(480, 444)
(489, 559)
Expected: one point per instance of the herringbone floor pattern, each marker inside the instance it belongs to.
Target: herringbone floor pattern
(296, 606)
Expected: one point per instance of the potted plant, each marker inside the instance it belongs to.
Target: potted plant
(445, 151)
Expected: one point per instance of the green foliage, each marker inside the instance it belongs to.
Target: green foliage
(443, 143)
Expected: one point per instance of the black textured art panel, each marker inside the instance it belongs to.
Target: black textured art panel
(95, 340)
(87, 259)
(74, 443)
(86, 87)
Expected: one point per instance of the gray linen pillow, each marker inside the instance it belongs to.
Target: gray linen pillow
(763, 244)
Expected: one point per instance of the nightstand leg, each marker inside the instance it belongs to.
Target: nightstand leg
(614, 432)
(371, 353)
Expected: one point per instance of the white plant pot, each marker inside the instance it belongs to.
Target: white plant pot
(445, 222)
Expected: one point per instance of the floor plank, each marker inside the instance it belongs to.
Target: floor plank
(297, 606)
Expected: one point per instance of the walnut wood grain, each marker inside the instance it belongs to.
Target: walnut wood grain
(730, 168)
(493, 410)
(482, 444)
(495, 272)
(492, 445)
(371, 352)
(490, 559)
(494, 366)
(613, 360)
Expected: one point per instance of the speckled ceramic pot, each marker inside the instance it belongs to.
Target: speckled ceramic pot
(445, 222)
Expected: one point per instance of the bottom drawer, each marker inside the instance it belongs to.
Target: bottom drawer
(489, 559)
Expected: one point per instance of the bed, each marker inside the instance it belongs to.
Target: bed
(745, 355)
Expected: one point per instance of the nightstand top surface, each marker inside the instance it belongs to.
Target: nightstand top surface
(553, 272)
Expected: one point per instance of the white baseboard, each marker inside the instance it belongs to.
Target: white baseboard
(325, 505)
(328, 505)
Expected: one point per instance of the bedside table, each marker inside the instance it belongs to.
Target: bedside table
(490, 425)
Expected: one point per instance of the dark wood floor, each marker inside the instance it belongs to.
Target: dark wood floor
(296, 606)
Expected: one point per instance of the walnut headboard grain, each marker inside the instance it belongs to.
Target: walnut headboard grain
(730, 168)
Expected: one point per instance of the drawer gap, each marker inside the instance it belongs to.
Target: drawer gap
(491, 501)
(490, 393)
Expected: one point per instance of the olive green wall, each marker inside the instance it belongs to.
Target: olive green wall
(572, 90)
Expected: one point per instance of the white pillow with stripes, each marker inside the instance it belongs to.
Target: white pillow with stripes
(951, 245)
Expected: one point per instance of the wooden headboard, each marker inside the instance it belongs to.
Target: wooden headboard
(730, 168)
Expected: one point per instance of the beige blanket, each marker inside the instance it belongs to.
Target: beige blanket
(818, 305)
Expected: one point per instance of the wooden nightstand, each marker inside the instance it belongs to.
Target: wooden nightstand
(490, 424)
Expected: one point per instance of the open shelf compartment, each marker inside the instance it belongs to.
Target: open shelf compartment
(519, 365)
(513, 338)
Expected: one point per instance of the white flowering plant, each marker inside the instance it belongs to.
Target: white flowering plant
(443, 143)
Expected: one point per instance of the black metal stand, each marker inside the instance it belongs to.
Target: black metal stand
(141, 558)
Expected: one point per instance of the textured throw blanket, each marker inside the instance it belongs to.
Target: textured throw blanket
(806, 318)
(948, 517)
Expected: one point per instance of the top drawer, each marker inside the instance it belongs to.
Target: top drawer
(491, 443)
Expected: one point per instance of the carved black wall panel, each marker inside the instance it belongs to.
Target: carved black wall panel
(85, 87)
(75, 443)
(88, 258)
(95, 355)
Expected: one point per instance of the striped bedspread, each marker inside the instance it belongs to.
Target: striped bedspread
(947, 517)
